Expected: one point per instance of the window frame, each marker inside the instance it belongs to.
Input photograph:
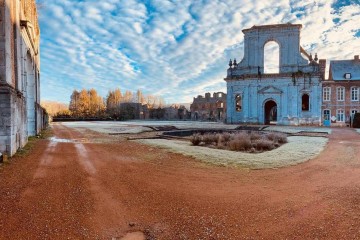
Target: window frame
(340, 94)
(352, 95)
(340, 112)
(328, 115)
(326, 94)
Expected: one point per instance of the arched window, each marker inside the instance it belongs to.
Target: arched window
(271, 57)
(305, 100)
(238, 103)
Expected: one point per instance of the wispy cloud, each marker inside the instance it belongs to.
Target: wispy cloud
(178, 49)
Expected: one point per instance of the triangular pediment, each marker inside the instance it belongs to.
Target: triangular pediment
(270, 90)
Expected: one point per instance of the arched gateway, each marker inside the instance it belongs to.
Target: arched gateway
(270, 112)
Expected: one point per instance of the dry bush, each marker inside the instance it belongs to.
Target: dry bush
(240, 142)
(255, 136)
(209, 138)
(226, 137)
(264, 144)
(195, 139)
(277, 137)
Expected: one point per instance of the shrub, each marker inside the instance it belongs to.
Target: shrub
(255, 136)
(209, 138)
(240, 142)
(226, 137)
(264, 144)
(195, 139)
(277, 137)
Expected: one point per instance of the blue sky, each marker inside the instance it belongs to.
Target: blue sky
(174, 48)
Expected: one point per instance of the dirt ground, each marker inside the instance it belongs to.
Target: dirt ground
(88, 185)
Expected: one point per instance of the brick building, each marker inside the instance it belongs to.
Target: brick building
(341, 92)
(209, 108)
(21, 115)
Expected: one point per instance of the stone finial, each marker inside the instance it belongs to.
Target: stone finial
(235, 63)
(230, 63)
(316, 57)
(310, 57)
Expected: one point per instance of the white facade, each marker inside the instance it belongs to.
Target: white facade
(290, 97)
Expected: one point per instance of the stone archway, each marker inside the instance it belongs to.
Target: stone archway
(270, 112)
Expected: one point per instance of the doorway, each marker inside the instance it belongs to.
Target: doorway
(270, 112)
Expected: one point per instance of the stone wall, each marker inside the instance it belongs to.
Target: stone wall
(20, 113)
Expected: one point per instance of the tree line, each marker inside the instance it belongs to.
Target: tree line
(117, 105)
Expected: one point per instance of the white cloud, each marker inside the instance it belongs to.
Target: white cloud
(176, 48)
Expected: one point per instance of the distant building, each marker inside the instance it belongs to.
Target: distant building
(176, 112)
(21, 113)
(341, 92)
(211, 108)
(289, 96)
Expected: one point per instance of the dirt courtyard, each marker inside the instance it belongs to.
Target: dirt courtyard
(84, 184)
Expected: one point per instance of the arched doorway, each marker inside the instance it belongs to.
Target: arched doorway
(270, 109)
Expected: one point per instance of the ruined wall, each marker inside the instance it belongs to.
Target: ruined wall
(20, 112)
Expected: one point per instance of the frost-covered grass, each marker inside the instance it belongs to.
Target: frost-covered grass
(297, 129)
(138, 126)
(298, 149)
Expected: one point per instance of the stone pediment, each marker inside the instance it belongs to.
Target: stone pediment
(270, 90)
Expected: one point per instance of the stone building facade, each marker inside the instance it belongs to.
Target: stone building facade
(341, 92)
(21, 115)
(211, 108)
(290, 96)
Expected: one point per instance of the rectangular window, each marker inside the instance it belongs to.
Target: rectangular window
(326, 114)
(354, 94)
(326, 93)
(340, 93)
(340, 116)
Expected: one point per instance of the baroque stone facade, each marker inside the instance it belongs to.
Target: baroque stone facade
(20, 113)
(341, 92)
(290, 96)
(209, 108)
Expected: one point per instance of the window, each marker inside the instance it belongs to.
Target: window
(354, 94)
(326, 114)
(340, 116)
(305, 102)
(271, 57)
(326, 93)
(238, 104)
(219, 95)
(222, 105)
(347, 75)
(340, 92)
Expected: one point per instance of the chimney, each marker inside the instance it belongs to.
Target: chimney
(356, 57)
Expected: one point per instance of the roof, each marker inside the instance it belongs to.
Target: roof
(338, 68)
(273, 26)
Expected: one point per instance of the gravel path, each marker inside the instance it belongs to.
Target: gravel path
(97, 186)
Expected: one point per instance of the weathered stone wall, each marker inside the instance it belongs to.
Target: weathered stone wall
(283, 91)
(209, 107)
(20, 112)
(297, 76)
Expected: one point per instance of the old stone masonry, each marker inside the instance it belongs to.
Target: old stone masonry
(21, 115)
(290, 96)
